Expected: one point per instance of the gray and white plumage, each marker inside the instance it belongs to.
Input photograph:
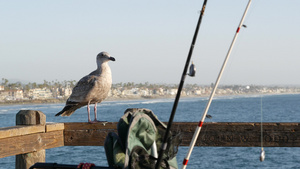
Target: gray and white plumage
(90, 89)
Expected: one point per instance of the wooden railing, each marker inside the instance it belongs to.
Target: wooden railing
(32, 135)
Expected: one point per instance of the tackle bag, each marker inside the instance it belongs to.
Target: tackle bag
(138, 142)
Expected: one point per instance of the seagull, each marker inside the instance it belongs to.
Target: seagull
(91, 89)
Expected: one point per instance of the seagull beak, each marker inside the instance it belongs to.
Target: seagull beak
(112, 59)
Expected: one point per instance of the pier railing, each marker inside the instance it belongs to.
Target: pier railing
(32, 135)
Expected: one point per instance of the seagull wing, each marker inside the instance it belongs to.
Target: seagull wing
(79, 96)
(82, 89)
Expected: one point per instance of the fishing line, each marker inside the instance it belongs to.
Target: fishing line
(261, 123)
(262, 153)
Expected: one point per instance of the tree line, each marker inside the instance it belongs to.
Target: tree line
(32, 85)
(71, 83)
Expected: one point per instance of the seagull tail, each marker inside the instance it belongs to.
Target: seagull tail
(68, 110)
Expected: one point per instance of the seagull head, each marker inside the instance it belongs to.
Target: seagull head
(105, 57)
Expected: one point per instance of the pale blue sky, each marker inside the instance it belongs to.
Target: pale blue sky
(54, 39)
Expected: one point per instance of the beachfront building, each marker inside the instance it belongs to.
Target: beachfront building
(171, 91)
(66, 91)
(40, 93)
(158, 91)
(11, 94)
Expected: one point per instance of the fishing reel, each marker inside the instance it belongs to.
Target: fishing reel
(192, 72)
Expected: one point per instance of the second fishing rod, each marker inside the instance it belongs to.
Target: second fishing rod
(199, 126)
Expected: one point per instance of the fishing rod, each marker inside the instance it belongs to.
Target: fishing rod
(61, 166)
(192, 73)
(198, 129)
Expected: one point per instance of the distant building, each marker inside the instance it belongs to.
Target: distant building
(11, 95)
(172, 91)
(197, 92)
(127, 92)
(3, 95)
(114, 93)
(1, 87)
(144, 92)
(159, 91)
(17, 94)
(67, 91)
(39, 93)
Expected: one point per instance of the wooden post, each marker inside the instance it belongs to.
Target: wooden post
(30, 117)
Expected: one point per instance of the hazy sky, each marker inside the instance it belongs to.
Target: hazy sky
(54, 39)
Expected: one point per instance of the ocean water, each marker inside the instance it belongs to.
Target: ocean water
(275, 108)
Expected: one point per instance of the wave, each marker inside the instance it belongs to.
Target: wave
(158, 101)
(111, 103)
(135, 102)
(235, 97)
(152, 101)
(5, 111)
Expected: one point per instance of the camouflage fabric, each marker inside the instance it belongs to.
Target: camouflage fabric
(138, 142)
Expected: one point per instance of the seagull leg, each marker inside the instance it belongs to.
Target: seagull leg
(95, 111)
(88, 110)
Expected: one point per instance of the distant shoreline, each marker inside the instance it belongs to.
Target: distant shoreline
(124, 98)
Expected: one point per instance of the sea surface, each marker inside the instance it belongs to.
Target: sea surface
(275, 108)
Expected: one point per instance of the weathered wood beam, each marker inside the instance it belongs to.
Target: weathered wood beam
(20, 130)
(85, 134)
(30, 143)
(212, 134)
(26, 139)
(243, 134)
(22, 139)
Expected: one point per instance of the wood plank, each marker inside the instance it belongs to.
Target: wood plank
(54, 126)
(243, 134)
(82, 134)
(20, 130)
(85, 134)
(85, 138)
(88, 126)
(30, 143)
(212, 134)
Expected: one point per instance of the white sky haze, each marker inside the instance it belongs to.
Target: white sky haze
(59, 40)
